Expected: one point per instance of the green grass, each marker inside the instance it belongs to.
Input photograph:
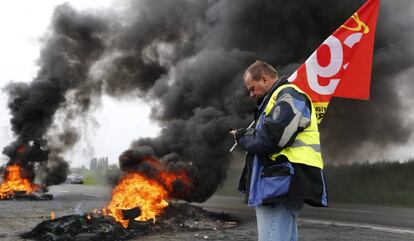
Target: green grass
(93, 178)
(102, 177)
(381, 183)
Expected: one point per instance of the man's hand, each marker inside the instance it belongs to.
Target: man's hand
(233, 132)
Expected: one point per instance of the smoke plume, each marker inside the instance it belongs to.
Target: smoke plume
(186, 59)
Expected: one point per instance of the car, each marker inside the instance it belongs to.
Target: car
(74, 179)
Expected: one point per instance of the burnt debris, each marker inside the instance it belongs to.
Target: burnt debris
(34, 196)
(131, 214)
(177, 217)
(78, 227)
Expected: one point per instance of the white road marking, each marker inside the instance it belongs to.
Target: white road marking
(93, 195)
(358, 225)
(350, 210)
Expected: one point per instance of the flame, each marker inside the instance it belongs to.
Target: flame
(135, 190)
(52, 215)
(169, 178)
(88, 217)
(14, 182)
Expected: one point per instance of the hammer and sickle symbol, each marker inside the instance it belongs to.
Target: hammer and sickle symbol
(359, 26)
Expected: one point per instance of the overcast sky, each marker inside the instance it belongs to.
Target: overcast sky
(22, 23)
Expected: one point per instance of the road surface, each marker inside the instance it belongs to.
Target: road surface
(340, 222)
(360, 215)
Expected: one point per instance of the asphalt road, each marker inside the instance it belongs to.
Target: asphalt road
(347, 214)
(360, 215)
(339, 222)
(390, 219)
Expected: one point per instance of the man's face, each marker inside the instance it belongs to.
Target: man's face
(256, 88)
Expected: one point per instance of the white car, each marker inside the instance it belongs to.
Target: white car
(74, 179)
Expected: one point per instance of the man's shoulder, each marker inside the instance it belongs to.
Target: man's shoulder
(290, 94)
(289, 90)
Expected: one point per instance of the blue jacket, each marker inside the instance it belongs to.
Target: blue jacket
(266, 181)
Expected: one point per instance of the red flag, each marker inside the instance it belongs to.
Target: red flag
(341, 66)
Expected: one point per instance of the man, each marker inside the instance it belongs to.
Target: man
(284, 167)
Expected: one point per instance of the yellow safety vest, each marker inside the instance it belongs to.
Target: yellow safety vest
(306, 148)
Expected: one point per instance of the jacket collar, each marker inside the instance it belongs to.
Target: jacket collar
(263, 101)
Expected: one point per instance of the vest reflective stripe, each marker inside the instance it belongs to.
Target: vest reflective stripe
(306, 148)
(299, 143)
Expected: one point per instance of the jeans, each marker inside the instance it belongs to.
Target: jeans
(278, 221)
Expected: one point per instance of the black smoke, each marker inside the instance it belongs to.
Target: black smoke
(73, 44)
(186, 59)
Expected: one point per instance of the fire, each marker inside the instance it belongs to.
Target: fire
(14, 182)
(52, 215)
(136, 190)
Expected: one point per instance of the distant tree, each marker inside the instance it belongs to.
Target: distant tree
(112, 174)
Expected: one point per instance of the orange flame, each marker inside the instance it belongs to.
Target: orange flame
(136, 190)
(52, 215)
(14, 182)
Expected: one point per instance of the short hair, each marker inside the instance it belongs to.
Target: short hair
(258, 68)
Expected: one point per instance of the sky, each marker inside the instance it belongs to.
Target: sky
(23, 23)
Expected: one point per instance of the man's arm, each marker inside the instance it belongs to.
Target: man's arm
(290, 115)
